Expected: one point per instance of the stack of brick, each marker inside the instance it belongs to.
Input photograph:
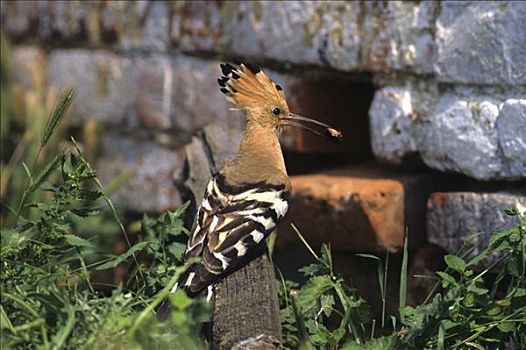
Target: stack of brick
(450, 98)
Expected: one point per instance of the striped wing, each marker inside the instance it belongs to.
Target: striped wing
(231, 222)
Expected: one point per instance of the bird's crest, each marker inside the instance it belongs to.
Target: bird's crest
(247, 87)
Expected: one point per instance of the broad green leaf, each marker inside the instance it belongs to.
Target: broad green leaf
(78, 241)
(177, 249)
(447, 279)
(180, 210)
(477, 290)
(455, 263)
(506, 326)
(180, 300)
(499, 240)
(407, 311)
(312, 290)
(312, 270)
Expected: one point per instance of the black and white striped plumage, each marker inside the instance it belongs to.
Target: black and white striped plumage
(231, 222)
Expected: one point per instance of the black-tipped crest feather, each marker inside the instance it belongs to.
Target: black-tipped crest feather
(247, 86)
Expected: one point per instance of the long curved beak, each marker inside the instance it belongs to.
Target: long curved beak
(302, 122)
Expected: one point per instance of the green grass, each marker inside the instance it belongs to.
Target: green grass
(466, 310)
(51, 297)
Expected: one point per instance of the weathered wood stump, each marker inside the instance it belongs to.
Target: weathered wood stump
(246, 308)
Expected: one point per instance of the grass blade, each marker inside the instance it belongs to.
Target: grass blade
(44, 174)
(441, 341)
(65, 331)
(384, 285)
(5, 322)
(403, 275)
(56, 116)
(303, 334)
(121, 258)
(304, 241)
(26, 169)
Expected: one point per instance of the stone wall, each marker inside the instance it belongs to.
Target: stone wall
(435, 91)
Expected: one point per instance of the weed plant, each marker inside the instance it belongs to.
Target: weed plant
(468, 308)
(48, 297)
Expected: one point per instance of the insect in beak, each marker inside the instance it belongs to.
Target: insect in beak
(300, 122)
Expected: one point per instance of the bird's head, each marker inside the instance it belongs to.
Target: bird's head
(247, 88)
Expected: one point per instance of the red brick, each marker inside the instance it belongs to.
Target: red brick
(362, 208)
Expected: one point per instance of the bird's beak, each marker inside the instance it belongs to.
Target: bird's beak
(302, 122)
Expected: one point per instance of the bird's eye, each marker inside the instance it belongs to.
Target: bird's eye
(276, 111)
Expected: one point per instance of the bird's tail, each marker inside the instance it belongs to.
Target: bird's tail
(185, 283)
(164, 311)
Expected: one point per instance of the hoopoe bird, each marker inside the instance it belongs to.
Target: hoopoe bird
(250, 195)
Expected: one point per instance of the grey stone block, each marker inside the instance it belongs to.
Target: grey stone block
(391, 117)
(152, 91)
(103, 82)
(398, 35)
(324, 33)
(455, 216)
(196, 99)
(462, 137)
(113, 89)
(150, 187)
(197, 25)
(476, 132)
(391, 35)
(481, 42)
(153, 81)
(145, 25)
(511, 130)
(46, 20)
(28, 66)
(126, 25)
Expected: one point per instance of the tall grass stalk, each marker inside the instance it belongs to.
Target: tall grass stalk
(54, 119)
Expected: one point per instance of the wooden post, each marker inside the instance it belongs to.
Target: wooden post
(246, 308)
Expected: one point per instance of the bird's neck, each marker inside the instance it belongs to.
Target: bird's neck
(260, 157)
